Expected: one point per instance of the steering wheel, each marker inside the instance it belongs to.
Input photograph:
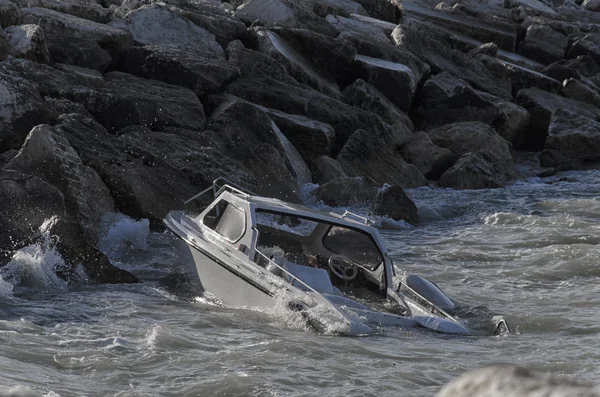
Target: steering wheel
(343, 267)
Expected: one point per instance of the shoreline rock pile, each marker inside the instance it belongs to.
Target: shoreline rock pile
(135, 105)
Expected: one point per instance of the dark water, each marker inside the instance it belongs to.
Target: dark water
(530, 251)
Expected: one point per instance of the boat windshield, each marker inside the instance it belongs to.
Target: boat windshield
(354, 244)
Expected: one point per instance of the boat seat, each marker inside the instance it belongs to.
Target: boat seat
(316, 278)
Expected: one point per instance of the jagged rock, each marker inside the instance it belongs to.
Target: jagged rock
(78, 52)
(543, 44)
(364, 96)
(478, 170)
(430, 159)
(366, 155)
(573, 141)
(334, 56)
(519, 76)
(420, 38)
(393, 202)
(255, 63)
(10, 13)
(126, 100)
(86, 9)
(560, 72)
(445, 99)
(180, 66)
(338, 7)
(64, 106)
(395, 80)
(591, 5)
(389, 52)
(583, 64)
(358, 27)
(346, 191)
(489, 49)
(29, 42)
(579, 91)
(298, 65)
(28, 202)
(4, 45)
(541, 105)
(586, 45)
(48, 155)
(7, 156)
(218, 22)
(294, 98)
(286, 13)
(386, 27)
(21, 109)
(56, 23)
(327, 169)
(386, 10)
(156, 24)
(513, 381)
(244, 132)
(148, 173)
(470, 136)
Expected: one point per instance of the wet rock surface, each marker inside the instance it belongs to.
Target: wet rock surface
(140, 104)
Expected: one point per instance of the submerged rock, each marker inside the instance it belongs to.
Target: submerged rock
(479, 170)
(513, 381)
(573, 141)
(393, 202)
(347, 191)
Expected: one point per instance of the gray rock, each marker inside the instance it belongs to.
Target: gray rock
(338, 7)
(29, 42)
(480, 170)
(513, 381)
(156, 24)
(327, 169)
(361, 28)
(56, 23)
(583, 64)
(579, 91)
(180, 66)
(5, 157)
(286, 13)
(429, 158)
(126, 100)
(573, 141)
(298, 65)
(346, 191)
(591, 5)
(366, 155)
(519, 76)
(445, 99)
(256, 63)
(10, 13)
(471, 136)
(541, 105)
(48, 155)
(420, 38)
(246, 133)
(560, 72)
(362, 95)
(387, 27)
(64, 106)
(86, 9)
(586, 45)
(78, 52)
(489, 49)
(543, 44)
(393, 202)
(395, 80)
(385, 10)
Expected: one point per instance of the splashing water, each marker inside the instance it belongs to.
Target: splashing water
(122, 235)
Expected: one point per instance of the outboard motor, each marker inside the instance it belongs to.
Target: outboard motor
(431, 292)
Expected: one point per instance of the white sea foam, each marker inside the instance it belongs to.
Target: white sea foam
(121, 234)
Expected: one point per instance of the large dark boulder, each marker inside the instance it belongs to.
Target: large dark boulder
(445, 99)
(421, 38)
(543, 44)
(479, 170)
(385, 10)
(360, 28)
(126, 100)
(587, 45)
(347, 191)
(393, 202)
(363, 95)
(366, 155)
(513, 381)
(582, 92)
(177, 65)
(327, 169)
(251, 62)
(29, 42)
(573, 141)
(431, 159)
(85, 9)
(541, 105)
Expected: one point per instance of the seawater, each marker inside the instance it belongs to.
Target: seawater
(530, 251)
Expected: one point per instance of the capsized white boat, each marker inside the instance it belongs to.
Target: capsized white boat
(252, 251)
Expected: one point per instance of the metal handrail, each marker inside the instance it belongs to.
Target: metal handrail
(348, 214)
(233, 187)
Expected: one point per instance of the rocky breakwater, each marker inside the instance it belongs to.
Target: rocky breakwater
(135, 105)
